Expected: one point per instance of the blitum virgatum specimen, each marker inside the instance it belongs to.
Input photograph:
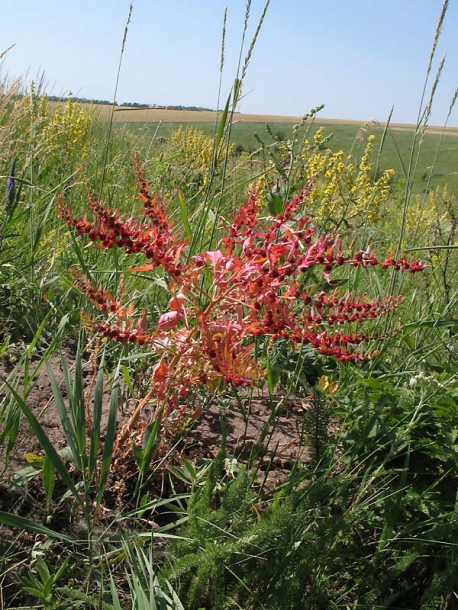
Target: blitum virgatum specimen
(252, 286)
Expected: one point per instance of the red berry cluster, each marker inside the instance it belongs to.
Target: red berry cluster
(102, 299)
(154, 238)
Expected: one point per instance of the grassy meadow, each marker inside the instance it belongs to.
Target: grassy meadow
(295, 292)
(437, 160)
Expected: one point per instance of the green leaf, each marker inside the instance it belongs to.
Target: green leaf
(180, 474)
(39, 593)
(23, 523)
(107, 455)
(276, 204)
(138, 455)
(222, 126)
(96, 421)
(77, 404)
(42, 569)
(150, 441)
(69, 431)
(49, 477)
(46, 444)
(184, 215)
(37, 461)
(126, 375)
(62, 568)
(190, 468)
(409, 340)
(273, 375)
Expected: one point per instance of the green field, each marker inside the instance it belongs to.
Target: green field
(437, 151)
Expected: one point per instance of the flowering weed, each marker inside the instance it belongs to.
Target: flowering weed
(260, 282)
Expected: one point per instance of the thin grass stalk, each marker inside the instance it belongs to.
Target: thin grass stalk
(244, 30)
(118, 76)
(437, 34)
(385, 132)
(221, 68)
(239, 80)
(433, 165)
(420, 129)
(422, 114)
(254, 39)
(223, 136)
(236, 97)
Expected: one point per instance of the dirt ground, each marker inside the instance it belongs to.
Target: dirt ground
(283, 446)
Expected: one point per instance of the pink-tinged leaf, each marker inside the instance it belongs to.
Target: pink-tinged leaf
(179, 250)
(125, 313)
(168, 321)
(147, 267)
(141, 324)
(276, 251)
(159, 372)
(216, 258)
(177, 301)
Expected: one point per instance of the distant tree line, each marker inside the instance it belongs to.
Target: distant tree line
(84, 100)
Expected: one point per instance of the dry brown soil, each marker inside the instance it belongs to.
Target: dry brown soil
(283, 446)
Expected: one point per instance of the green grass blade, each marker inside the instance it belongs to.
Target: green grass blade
(49, 479)
(110, 436)
(77, 404)
(151, 434)
(32, 346)
(32, 526)
(114, 594)
(432, 324)
(70, 433)
(96, 420)
(221, 129)
(184, 215)
(46, 444)
(429, 248)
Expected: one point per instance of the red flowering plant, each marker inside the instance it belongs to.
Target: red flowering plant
(253, 285)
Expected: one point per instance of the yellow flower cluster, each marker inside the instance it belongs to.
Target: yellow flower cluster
(426, 214)
(195, 148)
(60, 131)
(68, 128)
(262, 188)
(344, 189)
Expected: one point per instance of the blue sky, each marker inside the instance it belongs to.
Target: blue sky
(358, 57)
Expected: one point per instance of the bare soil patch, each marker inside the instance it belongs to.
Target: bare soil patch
(283, 445)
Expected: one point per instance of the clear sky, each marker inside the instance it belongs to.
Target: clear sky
(358, 57)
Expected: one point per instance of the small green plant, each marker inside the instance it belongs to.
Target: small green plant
(42, 584)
